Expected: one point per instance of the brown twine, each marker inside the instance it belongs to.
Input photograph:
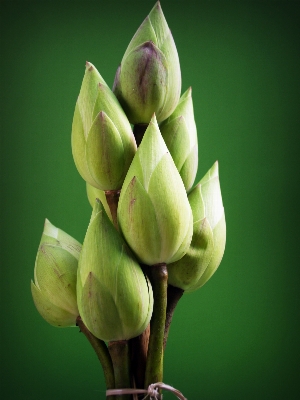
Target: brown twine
(152, 392)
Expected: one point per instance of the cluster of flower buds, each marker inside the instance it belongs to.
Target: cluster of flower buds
(160, 219)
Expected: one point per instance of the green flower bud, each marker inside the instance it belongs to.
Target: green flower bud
(154, 213)
(115, 298)
(55, 274)
(180, 135)
(149, 79)
(103, 144)
(93, 194)
(209, 235)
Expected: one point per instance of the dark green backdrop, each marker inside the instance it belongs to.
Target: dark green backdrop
(236, 338)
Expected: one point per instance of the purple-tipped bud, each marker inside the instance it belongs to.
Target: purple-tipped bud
(149, 80)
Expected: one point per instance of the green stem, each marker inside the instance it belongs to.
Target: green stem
(102, 353)
(154, 366)
(112, 198)
(174, 295)
(119, 352)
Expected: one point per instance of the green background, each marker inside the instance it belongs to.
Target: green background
(237, 337)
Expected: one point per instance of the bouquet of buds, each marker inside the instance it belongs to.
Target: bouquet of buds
(152, 236)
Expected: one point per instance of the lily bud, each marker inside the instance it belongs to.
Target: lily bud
(115, 298)
(149, 79)
(93, 194)
(154, 213)
(180, 135)
(209, 235)
(103, 144)
(55, 274)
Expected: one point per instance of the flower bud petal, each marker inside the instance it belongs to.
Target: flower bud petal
(55, 275)
(54, 287)
(180, 134)
(87, 97)
(169, 199)
(211, 193)
(149, 30)
(187, 271)
(114, 296)
(105, 153)
(209, 236)
(217, 255)
(154, 213)
(139, 76)
(78, 147)
(54, 315)
(137, 218)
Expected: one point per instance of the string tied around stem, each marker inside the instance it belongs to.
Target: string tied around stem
(152, 393)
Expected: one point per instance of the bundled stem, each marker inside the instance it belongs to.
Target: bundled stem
(102, 353)
(174, 295)
(139, 351)
(119, 352)
(154, 366)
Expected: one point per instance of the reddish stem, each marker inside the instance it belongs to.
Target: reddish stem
(103, 355)
(174, 295)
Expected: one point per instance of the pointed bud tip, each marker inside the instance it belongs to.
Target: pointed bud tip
(215, 169)
(89, 66)
(187, 95)
(50, 229)
(158, 6)
(153, 120)
(98, 206)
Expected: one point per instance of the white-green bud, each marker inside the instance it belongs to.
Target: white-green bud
(209, 235)
(180, 135)
(115, 298)
(154, 214)
(55, 274)
(103, 144)
(149, 79)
